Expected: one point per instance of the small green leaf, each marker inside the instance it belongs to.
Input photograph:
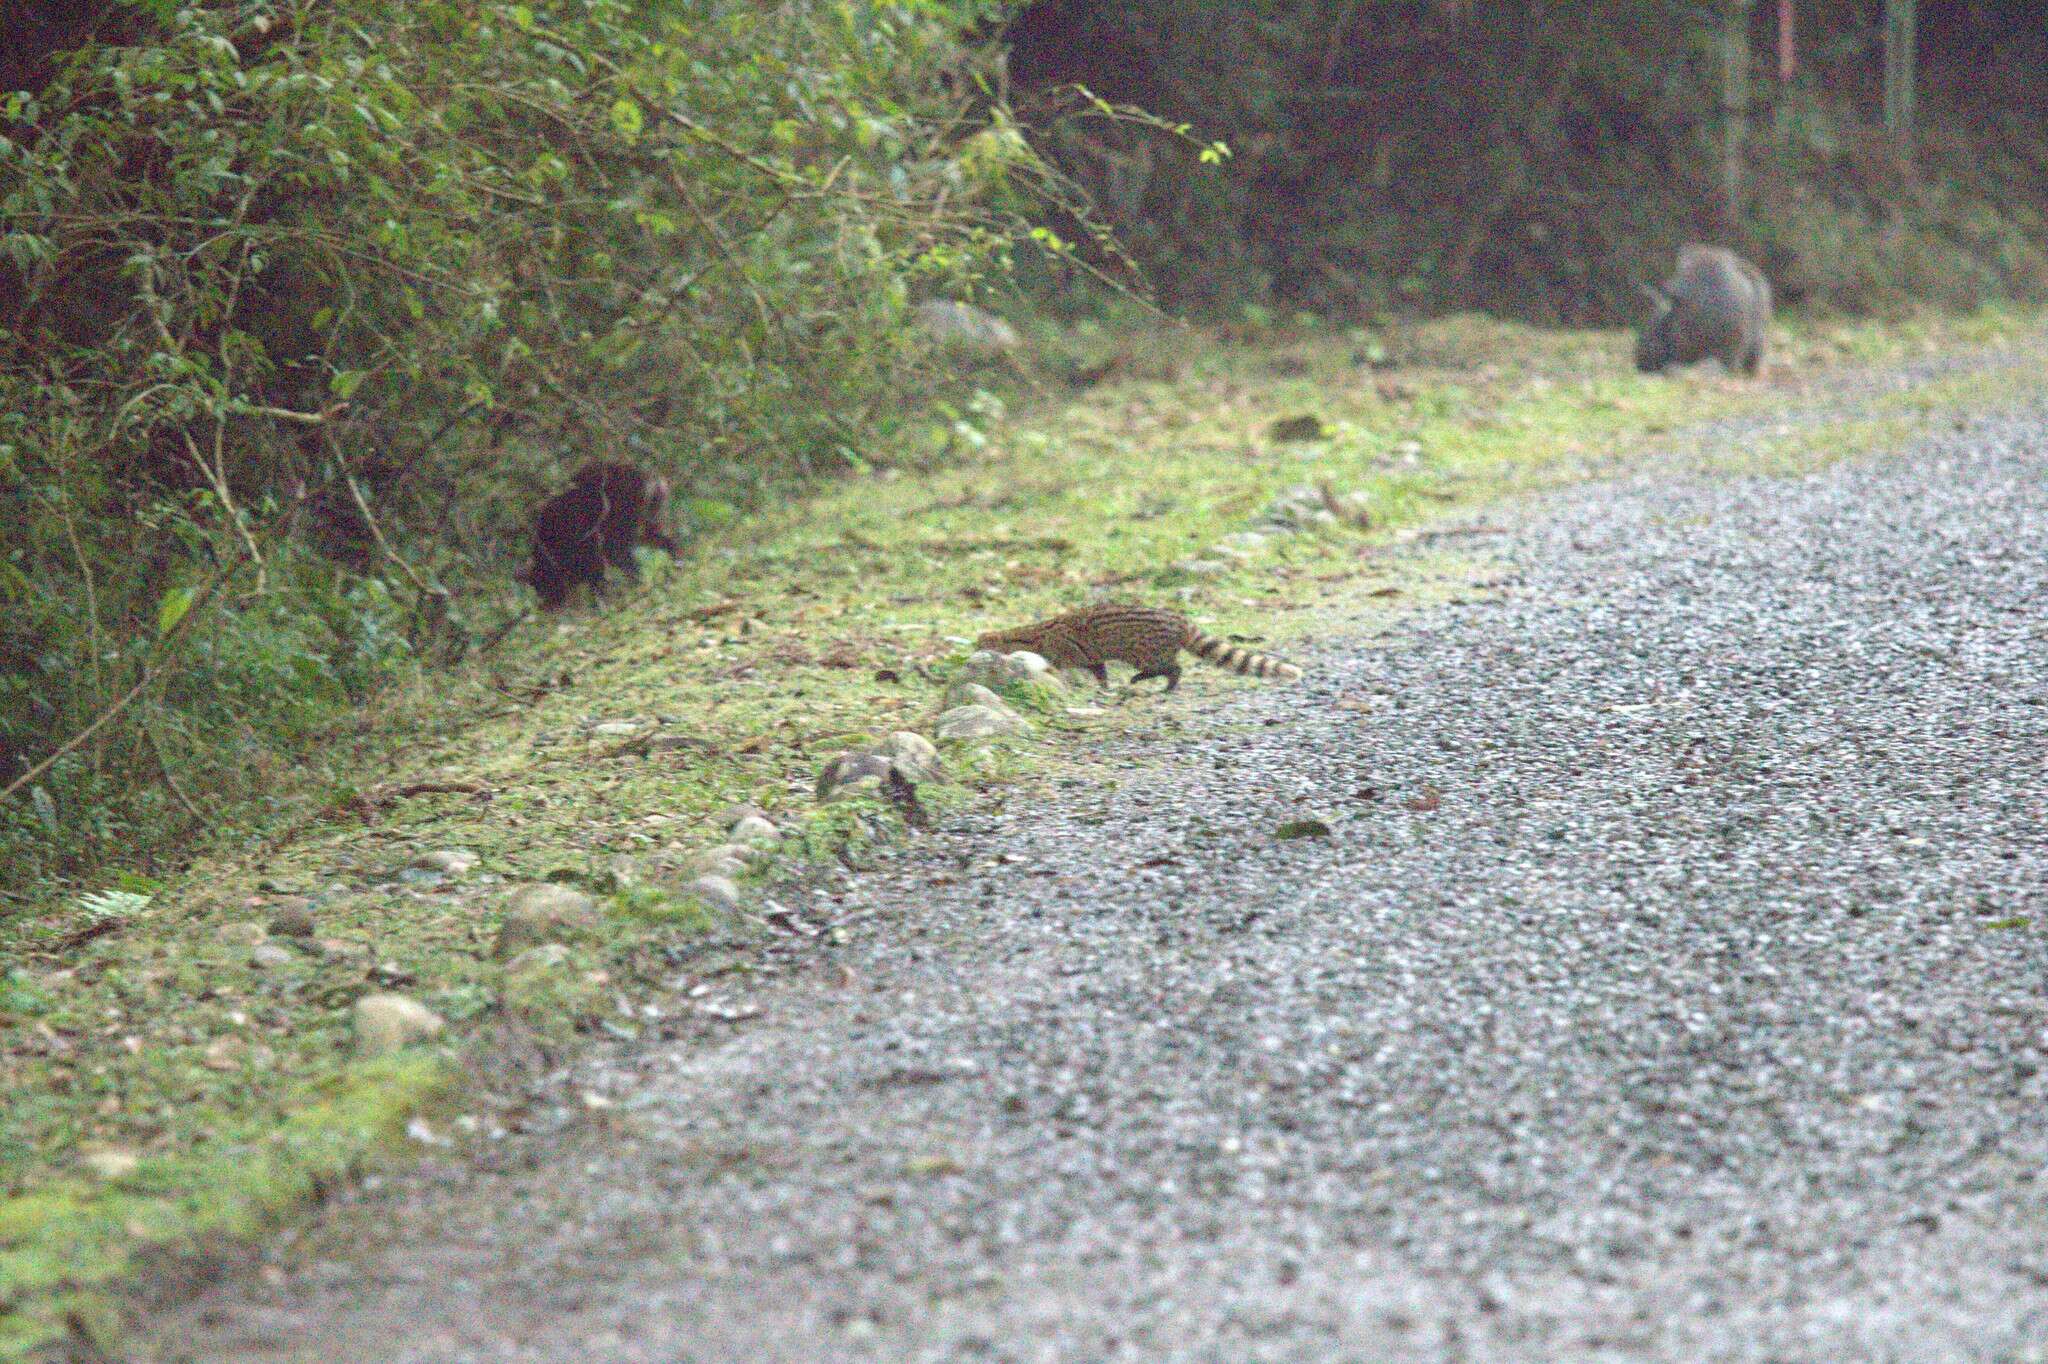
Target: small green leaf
(345, 382)
(522, 17)
(172, 609)
(627, 118)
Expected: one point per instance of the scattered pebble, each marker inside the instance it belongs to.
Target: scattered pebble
(268, 956)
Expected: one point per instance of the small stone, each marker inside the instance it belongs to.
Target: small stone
(616, 729)
(112, 1163)
(986, 667)
(733, 814)
(384, 1023)
(979, 722)
(232, 1053)
(974, 694)
(1245, 541)
(1026, 666)
(292, 919)
(340, 949)
(964, 327)
(755, 829)
(545, 957)
(913, 754)
(268, 956)
(716, 890)
(542, 913)
(242, 933)
(1201, 568)
(447, 861)
(727, 859)
(850, 769)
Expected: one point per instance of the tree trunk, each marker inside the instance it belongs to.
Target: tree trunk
(1899, 34)
(1734, 106)
(1788, 55)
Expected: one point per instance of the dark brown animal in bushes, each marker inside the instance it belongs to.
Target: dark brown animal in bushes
(1146, 637)
(607, 509)
(1717, 304)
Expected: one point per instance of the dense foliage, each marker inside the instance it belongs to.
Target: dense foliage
(302, 306)
(1543, 159)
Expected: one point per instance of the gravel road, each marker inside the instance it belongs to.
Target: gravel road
(1669, 987)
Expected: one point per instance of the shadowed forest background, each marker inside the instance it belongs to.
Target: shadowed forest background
(304, 307)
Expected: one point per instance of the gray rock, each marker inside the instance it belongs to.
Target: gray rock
(914, 755)
(756, 829)
(617, 729)
(1201, 568)
(542, 913)
(384, 1023)
(546, 957)
(965, 328)
(964, 723)
(447, 861)
(268, 956)
(242, 933)
(974, 694)
(716, 890)
(733, 814)
(727, 859)
(850, 769)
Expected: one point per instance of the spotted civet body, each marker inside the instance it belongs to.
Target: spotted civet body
(1146, 637)
(607, 509)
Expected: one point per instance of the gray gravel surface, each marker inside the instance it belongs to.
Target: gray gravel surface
(1669, 987)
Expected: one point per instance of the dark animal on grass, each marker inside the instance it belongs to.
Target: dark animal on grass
(607, 509)
(1716, 305)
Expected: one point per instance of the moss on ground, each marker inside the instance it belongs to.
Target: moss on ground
(167, 1087)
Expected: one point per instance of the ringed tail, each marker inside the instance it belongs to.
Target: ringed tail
(1244, 662)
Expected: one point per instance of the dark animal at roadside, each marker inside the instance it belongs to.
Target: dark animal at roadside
(1716, 305)
(607, 509)
(1148, 638)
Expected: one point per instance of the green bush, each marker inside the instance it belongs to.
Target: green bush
(303, 306)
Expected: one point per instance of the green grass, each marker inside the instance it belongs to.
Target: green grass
(802, 630)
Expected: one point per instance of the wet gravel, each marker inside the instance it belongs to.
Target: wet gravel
(1669, 987)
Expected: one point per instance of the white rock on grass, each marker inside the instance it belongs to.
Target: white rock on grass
(963, 723)
(1201, 568)
(447, 861)
(268, 956)
(384, 1023)
(755, 829)
(111, 1163)
(542, 913)
(716, 890)
(992, 669)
